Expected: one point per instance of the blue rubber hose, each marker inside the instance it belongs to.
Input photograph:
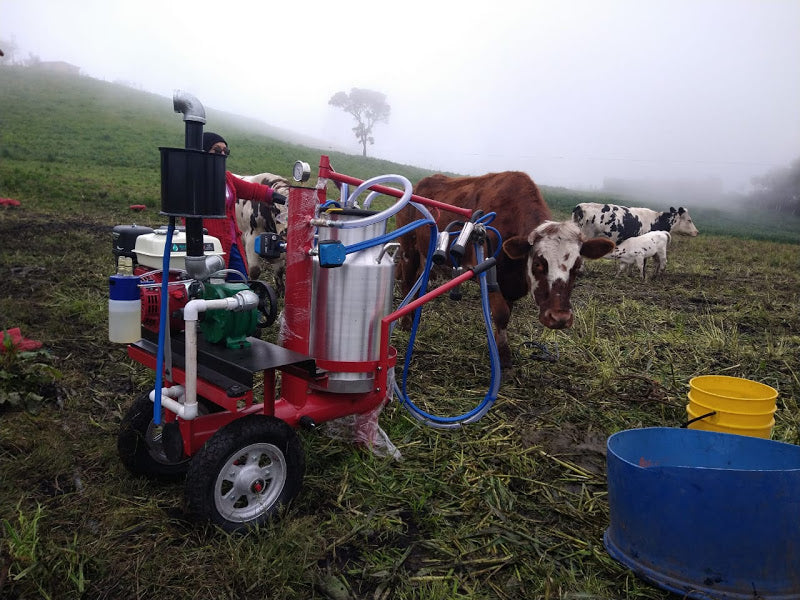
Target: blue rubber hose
(386, 237)
(163, 323)
(495, 375)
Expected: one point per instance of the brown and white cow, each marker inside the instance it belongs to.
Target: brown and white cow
(539, 257)
(255, 218)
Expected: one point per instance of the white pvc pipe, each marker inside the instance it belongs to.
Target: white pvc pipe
(191, 363)
(170, 397)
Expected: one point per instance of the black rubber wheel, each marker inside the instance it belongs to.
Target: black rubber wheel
(245, 472)
(139, 444)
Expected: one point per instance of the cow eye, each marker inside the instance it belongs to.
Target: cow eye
(539, 265)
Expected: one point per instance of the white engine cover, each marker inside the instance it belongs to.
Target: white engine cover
(149, 249)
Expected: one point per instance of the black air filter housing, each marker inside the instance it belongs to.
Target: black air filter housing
(192, 183)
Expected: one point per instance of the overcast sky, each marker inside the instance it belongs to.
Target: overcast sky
(569, 91)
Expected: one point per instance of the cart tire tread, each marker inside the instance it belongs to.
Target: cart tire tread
(205, 469)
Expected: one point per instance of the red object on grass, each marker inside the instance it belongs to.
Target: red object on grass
(19, 342)
(137, 207)
(9, 202)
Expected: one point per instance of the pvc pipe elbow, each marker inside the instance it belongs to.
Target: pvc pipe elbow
(187, 412)
(170, 400)
(176, 391)
(192, 309)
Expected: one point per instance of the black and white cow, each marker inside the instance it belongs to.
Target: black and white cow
(255, 218)
(620, 222)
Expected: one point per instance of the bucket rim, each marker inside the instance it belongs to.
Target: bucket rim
(695, 383)
(741, 440)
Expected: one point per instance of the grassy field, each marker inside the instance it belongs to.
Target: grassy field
(511, 507)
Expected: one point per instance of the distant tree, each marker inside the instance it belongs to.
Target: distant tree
(779, 189)
(367, 107)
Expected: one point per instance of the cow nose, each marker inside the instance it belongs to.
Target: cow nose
(556, 319)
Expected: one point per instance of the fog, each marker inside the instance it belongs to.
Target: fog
(575, 93)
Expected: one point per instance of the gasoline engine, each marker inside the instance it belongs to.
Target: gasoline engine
(138, 253)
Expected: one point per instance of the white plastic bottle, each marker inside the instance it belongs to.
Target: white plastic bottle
(124, 305)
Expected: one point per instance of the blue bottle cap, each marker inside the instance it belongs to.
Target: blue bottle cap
(123, 287)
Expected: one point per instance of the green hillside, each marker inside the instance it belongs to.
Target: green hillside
(91, 145)
(82, 142)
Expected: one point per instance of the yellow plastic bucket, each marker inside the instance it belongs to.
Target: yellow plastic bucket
(731, 405)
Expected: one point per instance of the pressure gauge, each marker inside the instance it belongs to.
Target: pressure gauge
(301, 171)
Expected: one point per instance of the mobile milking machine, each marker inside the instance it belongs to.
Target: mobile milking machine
(171, 302)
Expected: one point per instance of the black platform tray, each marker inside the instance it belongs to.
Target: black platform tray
(232, 369)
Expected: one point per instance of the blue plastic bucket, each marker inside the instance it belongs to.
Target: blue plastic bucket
(706, 514)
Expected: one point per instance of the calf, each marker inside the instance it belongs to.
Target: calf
(254, 218)
(636, 251)
(539, 257)
(620, 222)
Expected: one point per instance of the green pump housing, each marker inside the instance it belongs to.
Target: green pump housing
(226, 326)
